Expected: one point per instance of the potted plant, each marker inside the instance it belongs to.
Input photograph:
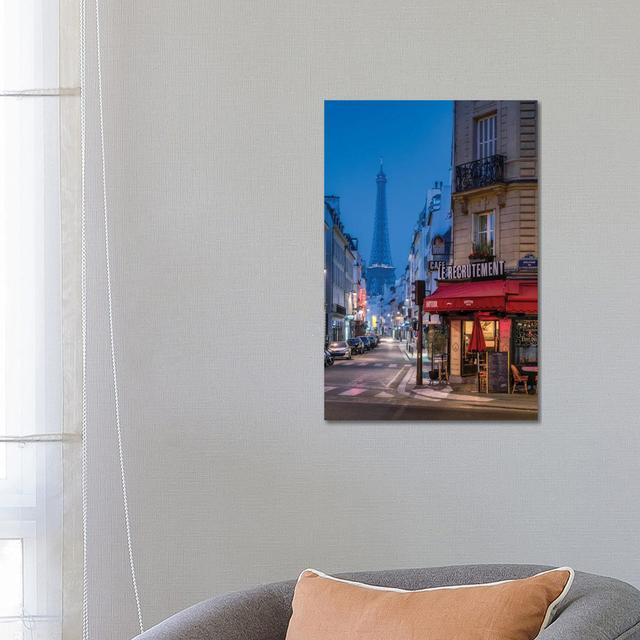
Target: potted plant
(437, 349)
(482, 252)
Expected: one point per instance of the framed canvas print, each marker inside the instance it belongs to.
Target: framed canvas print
(431, 260)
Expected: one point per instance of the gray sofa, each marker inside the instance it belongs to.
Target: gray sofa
(596, 608)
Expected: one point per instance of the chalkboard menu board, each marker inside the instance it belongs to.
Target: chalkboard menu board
(526, 333)
(498, 366)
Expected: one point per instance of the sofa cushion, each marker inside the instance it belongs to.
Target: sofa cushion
(326, 607)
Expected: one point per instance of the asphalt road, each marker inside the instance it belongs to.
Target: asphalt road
(373, 387)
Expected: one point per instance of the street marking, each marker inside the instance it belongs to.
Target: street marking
(348, 362)
(431, 394)
(384, 394)
(393, 366)
(378, 364)
(326, 389)
(388, 384)
(352, 392)
(402, 387)
(362, 364)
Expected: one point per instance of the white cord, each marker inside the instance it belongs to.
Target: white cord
(111, 333)
(83, 304)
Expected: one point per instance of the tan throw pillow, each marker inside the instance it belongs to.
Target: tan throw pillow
(326, 608)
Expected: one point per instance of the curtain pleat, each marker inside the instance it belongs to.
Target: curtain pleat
(40, 382)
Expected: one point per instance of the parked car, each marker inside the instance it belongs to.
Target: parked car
(340, 349)
(356, 345)
(368, 342)
(373, 340)
(328, 358)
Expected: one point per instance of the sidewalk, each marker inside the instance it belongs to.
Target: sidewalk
(466, 393)
(410, 354)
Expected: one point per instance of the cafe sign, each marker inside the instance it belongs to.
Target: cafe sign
(468, 271)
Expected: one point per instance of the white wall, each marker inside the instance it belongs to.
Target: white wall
(214, 128)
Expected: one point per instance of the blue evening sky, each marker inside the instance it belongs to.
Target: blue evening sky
(414, 140)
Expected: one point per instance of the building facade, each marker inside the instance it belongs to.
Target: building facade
(359, 322)
(430, 241)
(437, 246)
(493, 271)
(343, 273)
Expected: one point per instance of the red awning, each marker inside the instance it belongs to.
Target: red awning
(526, 298)
(512, 296)
(482, 295)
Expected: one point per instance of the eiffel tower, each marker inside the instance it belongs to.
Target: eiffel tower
(381, 270)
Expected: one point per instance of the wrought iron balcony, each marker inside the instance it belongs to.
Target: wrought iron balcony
(480, 173)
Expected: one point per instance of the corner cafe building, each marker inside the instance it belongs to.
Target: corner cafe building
(505, 303)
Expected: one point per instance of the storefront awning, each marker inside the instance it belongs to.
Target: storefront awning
(525, 300)
(506, 296)
(483, 295)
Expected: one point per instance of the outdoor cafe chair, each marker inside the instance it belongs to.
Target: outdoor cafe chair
(518, 378)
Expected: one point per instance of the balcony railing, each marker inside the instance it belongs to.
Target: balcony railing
(480, 173)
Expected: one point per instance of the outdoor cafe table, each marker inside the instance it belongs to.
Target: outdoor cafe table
(531, 371)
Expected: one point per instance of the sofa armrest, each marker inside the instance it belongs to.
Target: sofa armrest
(258, 614)
(597, 608)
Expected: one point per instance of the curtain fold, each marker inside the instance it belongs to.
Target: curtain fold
(70, 224)
(40, 381)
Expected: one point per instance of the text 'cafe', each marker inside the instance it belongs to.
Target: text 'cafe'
(505, 304)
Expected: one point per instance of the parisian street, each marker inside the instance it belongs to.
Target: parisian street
(379, 385)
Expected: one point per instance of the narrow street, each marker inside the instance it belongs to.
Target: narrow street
(373, 386)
